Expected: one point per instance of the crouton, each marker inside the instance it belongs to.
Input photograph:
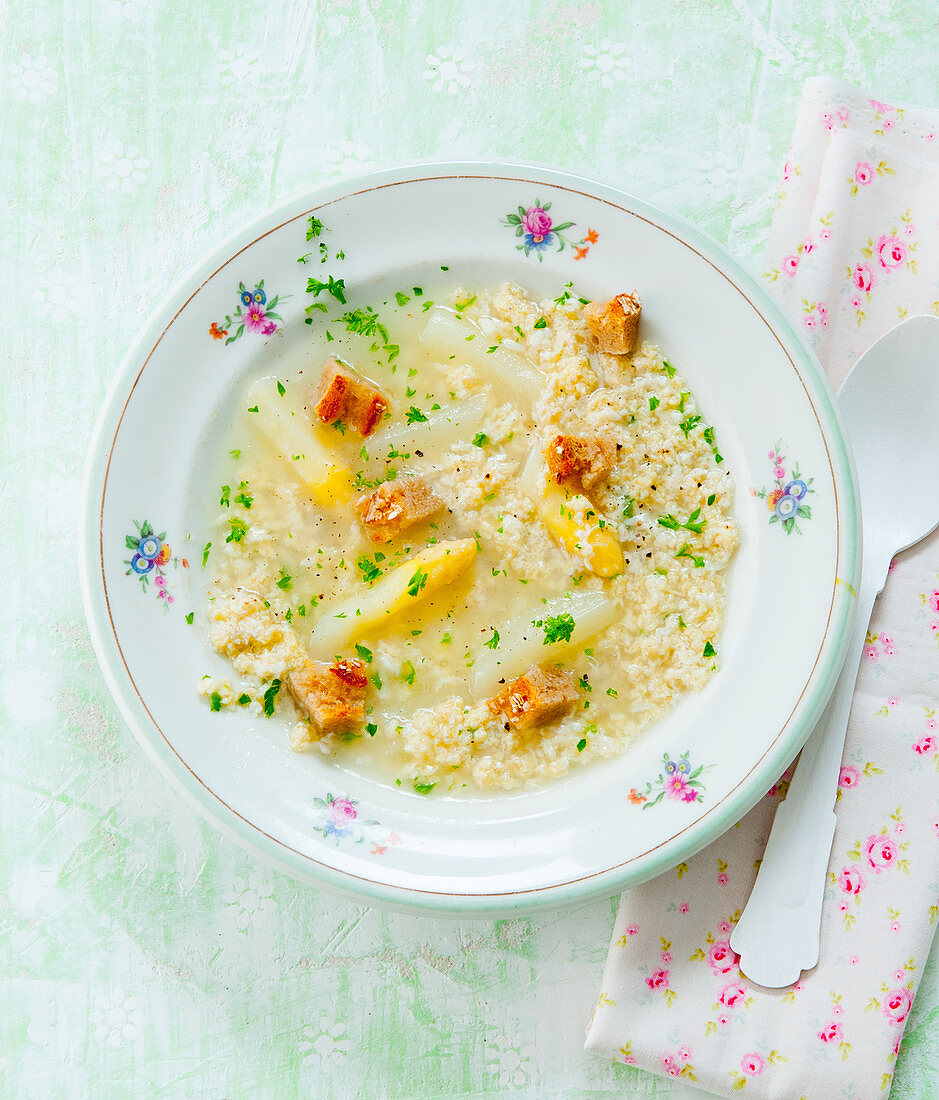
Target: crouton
(582, 460)
(395, 506)
(332, 696)
(537, 697)
(344, 395)
(614, 325)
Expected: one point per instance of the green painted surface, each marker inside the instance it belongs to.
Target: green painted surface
(141, 954)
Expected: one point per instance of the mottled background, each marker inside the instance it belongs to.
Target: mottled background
(142, 954)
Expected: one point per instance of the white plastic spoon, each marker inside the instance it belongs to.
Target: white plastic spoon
(889, 405)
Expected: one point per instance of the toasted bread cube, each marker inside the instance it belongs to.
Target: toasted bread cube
(537, 697)
(582, 460)
(614, 325)
(344, 395)
(332, 696)
(395, 506)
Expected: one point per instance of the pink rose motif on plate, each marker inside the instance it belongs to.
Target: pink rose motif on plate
(340, 815)
(753, 1064)
(925, 745)
(724, 928)
(851, 880)
(657, 978)
(339, 818)
(891, 252)
(537, 222)
(255, 313)
(538, 231)
(864, 173)
(849, 777)
(732, 993)
(722, 959)
(897, 1004)
(790, 265)
(881, 853)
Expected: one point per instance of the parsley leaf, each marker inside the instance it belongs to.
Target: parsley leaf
(417, 582)
(363, 653)
(557, 628)
(314, 227)
(414, 415)
(284, 581)
(335, 287)
(709, 650)
(205, 553)
(270, 695)
(493, 641)
(480, 439)
(423, 786)
(238, 529)
(215, 701)
(369, 569)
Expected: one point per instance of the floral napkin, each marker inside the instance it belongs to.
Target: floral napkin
(854, 248)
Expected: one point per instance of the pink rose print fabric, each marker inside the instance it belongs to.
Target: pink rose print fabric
(854, 248)
(854, 240)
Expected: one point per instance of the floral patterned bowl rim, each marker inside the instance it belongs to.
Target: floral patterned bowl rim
(607, 826)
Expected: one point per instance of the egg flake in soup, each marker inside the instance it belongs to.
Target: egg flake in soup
(504, 556)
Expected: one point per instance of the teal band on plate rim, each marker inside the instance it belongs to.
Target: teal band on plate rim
(718, 818)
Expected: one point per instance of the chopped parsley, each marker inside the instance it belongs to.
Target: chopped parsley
(365, 322)
(371, 729)
(423, 786)
(280, 388)
(584, 684)
(541, 323)
(244, 699)
(687, 424)
(557, 628)
(363, 653)
(668, 368)
(712, 498)
(238, 529)
(460, 306)
(270, 695)
(709, 650)
(685, 552)
(629, 507)
(654, 404)
(493, 642)
(253, 409)
(284, 581)
(369, 569)
(190, 617)
(242, 497)
(236, 453)
(215, 701)
(314, 227)
(582, 744)
(480, 439)
(408, 674)
(693, 523)
(414, 415)
(205, 553)
(446, 639)
(223, 499)
(376, 681)
(335, 287)
(613, 693)
(417, 582)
